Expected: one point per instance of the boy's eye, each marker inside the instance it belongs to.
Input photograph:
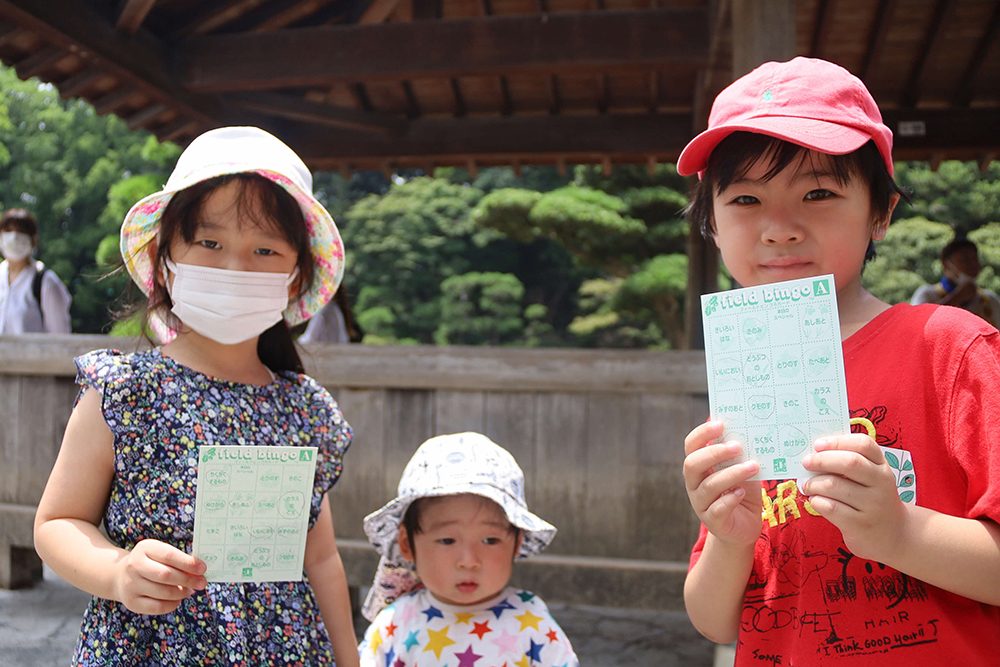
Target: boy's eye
(446, 541)
(820, 193)
(492, 540)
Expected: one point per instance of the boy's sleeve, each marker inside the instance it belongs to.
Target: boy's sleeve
(974, 434)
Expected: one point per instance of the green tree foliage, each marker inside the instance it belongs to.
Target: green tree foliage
(957, 194)
(480, 309)
(64, 160)
(626, 228)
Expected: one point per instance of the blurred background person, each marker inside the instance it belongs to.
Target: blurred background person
(32, 298)
(961, 267)
(334, 323)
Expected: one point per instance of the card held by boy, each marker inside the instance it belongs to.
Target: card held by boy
(775, 369)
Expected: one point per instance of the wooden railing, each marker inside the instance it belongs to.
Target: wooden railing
(598, 433)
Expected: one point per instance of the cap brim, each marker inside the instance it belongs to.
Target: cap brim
(142, 224)
(817, 135)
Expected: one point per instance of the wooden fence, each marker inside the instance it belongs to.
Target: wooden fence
(599, 435)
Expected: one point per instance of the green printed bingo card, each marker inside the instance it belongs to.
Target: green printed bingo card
(776, 371)
(252, 511)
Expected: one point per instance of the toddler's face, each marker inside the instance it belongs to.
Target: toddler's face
(464, 552)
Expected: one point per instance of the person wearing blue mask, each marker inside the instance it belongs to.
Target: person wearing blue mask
(957, 287)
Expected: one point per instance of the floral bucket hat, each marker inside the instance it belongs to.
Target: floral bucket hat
(443, 466)
(235, 150)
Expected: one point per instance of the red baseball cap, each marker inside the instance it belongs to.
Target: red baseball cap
(806, 101)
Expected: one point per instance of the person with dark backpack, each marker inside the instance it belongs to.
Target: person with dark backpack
(32, 298)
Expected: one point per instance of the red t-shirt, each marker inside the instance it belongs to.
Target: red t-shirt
(924, 381)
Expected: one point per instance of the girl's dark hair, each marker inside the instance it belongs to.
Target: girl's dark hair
(737, 154)
(411, 520)
(260, 202)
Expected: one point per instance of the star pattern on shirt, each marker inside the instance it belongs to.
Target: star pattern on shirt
(528, 620)
(390, 629)
(438, 641)
(535, 651)
(506, 642)
(376, 642)
(501, 608)
(523, 662)
(389, 657)
(411, 640)
(552, 635)
(526, 596)
(481, 629)
(399, 663)
(467, 658)
(432, 613)
(463, 617)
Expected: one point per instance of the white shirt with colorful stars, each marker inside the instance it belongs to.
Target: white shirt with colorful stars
(514, 629)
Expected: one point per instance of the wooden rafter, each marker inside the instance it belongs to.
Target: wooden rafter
(132, 14)
(877, 35)
(282, 15)
(963, 93)
(315, 113)
(377, 11)
(412, 103)
(78, 83)
(821, 28)
(912, 89)
(144, 117)
(138, 60)
(456, 47)
(39, 61)
(216, 16)
(499, 135)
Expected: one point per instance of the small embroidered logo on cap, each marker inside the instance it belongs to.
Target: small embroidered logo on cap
(767, 95)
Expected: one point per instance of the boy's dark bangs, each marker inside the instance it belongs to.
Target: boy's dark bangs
(740, 152)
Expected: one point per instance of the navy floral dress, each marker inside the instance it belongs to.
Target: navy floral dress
(159, 413)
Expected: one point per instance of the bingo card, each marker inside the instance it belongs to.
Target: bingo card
(776, 371)
(252, 511)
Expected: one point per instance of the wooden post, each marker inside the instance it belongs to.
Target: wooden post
(762, 30)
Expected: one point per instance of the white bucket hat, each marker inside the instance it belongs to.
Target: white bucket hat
(235, 150)
(449, 465)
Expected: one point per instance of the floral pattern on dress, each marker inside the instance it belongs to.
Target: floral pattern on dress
(159, 413)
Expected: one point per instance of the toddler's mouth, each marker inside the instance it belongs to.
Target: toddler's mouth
(467, 586)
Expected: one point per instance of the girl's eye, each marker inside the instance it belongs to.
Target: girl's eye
(446, 541)
(492, 540)
(208, 243)
(818, 194)
(745, 200)
(265, 251)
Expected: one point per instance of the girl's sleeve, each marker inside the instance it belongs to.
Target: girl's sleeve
(556, 649)
(101, 370)
(331, 436)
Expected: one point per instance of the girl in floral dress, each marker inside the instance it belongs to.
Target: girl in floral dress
(231, 252)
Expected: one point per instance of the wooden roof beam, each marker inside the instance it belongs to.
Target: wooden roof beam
(132, 14)
(39, 61)
(377, 11)
(963, 93)
(216, 16)
(457, 47)
(876, 38)
(912, 89)
(139, 60)
(296, 108)
(513, 136)
(821, 28)
(144, 117)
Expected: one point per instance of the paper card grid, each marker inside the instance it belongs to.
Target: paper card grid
(776, 370)
(252, 511)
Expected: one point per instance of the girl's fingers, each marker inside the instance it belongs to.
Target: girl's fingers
(722, 482)
(173, 557)
(726, 503)
(845, 463)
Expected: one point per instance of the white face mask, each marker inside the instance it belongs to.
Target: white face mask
(15, 246)
(228, 306)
